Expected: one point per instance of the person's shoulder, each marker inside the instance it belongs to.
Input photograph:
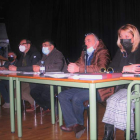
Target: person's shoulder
(57, 51)
(138, 48)
(101, 45)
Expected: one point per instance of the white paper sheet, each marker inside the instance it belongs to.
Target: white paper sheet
(8, 71)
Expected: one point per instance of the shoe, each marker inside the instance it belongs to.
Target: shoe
(79, 130)
(32, 108)
(44, 112)
(66, 129)
(109, 131)
(6, 105)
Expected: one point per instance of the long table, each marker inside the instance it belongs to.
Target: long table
(92, 85)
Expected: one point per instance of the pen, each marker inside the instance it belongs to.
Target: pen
(132, 64)
(68, 61)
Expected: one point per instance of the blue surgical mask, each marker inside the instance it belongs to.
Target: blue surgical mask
(45, 50)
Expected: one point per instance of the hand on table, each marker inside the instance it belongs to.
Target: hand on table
(36, 68)
(3, 68)
(12, 68)
(134, 68)
(72, 68)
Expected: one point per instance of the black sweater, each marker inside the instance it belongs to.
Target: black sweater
(119, 61)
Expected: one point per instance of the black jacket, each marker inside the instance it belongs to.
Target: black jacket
(31, 58)
(119, 61)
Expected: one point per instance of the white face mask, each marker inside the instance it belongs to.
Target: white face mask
(45, 50)
(90, 50)
(22, 48)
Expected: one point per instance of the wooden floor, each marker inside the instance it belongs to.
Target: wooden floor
(37, 127)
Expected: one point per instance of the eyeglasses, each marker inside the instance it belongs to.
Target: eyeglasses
(46, 45)
(23, 44)
(108, 70)
(89, 34)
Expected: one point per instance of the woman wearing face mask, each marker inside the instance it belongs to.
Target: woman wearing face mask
(127, 59)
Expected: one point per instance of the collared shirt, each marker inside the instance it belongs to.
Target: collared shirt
(89, 58)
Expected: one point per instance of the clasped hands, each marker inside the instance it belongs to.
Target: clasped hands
(134, 68)
(12, 68)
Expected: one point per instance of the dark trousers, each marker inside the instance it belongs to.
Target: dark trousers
(4, 90)
(41, 94)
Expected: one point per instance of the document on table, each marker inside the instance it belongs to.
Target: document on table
(9, 72)
(73, 76)
(30, 72)
(57, 74)
(128, 75)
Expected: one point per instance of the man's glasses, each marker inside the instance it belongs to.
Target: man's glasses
(108, 70)
(23, 44)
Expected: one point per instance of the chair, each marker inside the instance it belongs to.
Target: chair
(34, 106)
(86, 105)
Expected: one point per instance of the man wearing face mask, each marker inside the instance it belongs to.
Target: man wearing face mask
(29, 56)
(54, 61)
(4, 84)
(72, 100)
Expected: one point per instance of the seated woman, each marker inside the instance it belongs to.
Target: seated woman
(127, 59)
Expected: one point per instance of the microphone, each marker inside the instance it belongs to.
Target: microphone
(85, 56)
(84, 47)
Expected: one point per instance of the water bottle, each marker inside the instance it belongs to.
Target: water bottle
(42, 68)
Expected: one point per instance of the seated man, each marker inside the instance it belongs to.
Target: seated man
(4, 84)
(71, 100)
(54, 61)
(29, 56)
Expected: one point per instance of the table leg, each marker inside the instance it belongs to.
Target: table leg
(59, 108)
(12, 112)
(93, 112)
(18, 96)
(128, 112)
(52, 104)
(137, 112)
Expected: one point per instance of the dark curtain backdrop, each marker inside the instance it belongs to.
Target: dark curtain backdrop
(67, 22)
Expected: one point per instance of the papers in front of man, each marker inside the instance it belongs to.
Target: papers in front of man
(9, 72)
(88, 76)
(73, 76)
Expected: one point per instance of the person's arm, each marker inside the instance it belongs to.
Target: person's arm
(34, 59)
(57, 63)
(133, 68)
